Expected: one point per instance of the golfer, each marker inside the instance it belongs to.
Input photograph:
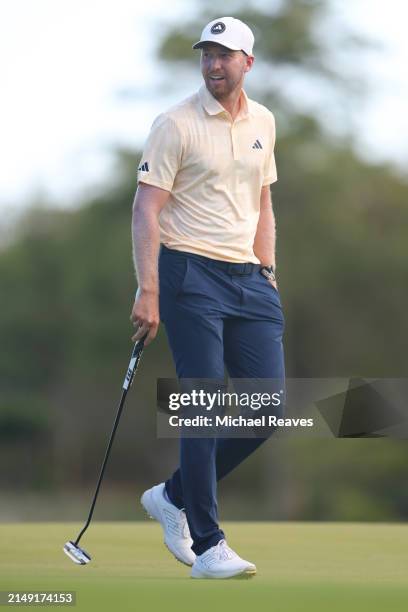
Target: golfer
(204, 252)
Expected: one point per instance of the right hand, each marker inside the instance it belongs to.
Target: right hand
(145, 315)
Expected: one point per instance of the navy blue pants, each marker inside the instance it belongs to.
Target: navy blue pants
(216, 315)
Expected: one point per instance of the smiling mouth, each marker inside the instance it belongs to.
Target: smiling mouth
(214, 79)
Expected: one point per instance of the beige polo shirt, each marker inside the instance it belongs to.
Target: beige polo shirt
(214, 169)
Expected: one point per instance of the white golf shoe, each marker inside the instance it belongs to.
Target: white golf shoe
(221, 561)
(176, 532)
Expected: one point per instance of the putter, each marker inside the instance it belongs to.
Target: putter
(71, 548)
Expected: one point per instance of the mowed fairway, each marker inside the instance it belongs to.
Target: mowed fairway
(301, 566)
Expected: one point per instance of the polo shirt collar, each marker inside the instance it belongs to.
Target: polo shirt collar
(213, 107)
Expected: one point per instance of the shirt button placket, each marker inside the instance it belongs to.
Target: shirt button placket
(233, 143)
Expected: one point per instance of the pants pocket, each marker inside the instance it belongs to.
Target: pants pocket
(172, 273)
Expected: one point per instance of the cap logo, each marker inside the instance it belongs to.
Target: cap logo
(218, 28)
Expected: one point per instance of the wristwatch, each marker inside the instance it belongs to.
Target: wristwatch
(268, 272)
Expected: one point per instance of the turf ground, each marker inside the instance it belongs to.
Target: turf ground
(319, 567)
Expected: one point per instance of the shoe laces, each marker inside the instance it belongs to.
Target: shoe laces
(224, 551)
(176, 522)
(184, 529)
(220, 552)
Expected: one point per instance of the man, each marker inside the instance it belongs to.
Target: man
(204, 252)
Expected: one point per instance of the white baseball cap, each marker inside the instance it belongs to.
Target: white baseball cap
(229, 32)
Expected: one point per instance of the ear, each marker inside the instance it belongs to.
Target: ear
(249, 61)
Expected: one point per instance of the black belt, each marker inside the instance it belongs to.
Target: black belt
(240, 269)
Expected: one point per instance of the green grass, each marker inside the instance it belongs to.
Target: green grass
(319, 567)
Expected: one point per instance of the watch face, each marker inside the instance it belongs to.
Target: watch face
(267, 272)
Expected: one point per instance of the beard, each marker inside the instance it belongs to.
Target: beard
(221, 90)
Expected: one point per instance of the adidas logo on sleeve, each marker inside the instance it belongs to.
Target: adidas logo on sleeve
(144, 167)
(257, 145)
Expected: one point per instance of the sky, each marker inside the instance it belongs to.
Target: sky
(65, 68)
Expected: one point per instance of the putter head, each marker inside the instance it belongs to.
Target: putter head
(77, 554)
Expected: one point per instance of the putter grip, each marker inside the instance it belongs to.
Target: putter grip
(134, 361)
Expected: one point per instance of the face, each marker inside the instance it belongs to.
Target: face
(229, 66)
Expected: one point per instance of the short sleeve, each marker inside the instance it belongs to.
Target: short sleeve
(162, 154)
(270, 173)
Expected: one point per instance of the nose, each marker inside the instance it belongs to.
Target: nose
(214, 63)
